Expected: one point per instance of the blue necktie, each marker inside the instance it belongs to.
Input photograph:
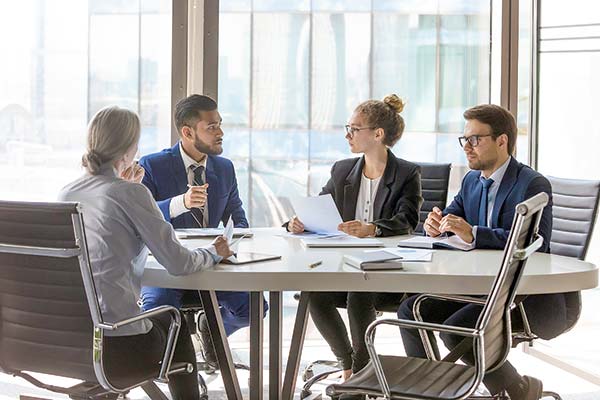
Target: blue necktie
(198, 181)
(483, 203)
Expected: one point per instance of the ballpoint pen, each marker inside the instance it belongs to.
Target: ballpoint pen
(315, 264)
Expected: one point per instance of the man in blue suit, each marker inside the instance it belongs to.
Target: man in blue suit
(482, 214)
(196, 188)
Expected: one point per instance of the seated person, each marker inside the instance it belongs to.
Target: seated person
(196, 188)
(377, 194)
(122, 222)
(482, 214)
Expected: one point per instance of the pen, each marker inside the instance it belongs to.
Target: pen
(315, 264)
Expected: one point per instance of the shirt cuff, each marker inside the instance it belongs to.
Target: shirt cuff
(474, 232)
(177, 206)
(213, 253)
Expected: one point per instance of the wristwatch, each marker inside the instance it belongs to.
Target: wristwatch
(378, 231)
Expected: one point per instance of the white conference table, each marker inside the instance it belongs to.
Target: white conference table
(449, 272)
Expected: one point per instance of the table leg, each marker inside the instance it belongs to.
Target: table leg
(217, 331)
(293, 363)
(275, 344)
(256, 346)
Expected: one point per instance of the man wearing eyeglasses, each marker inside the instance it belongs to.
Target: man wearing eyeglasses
(196, 188)
(481, 214)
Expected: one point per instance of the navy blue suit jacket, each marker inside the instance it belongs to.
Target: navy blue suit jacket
(166, 178)
(547, 313)
(519, 183)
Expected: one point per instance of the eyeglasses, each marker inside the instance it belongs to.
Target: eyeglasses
(351, 131)
(473, 140)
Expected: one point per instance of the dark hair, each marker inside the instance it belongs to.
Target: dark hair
(498, 118)
(187, 110)
(385, 114)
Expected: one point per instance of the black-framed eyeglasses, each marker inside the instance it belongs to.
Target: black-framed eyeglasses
(473, 140)
(351, 131)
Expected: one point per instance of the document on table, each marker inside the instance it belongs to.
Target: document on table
(318, 214)
(342, 241)
(387, 258)
(426, 242)
(199, 233)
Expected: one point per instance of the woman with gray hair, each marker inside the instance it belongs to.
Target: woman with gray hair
(122, 221)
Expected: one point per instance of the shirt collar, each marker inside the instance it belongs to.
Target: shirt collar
(189, 161)
(498, 174)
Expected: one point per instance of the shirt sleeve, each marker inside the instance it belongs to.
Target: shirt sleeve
(143, 213)
(177, 206)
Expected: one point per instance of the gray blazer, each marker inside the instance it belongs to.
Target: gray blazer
(398, 198)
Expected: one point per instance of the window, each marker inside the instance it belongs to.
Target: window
(73, 58)
(292, 72)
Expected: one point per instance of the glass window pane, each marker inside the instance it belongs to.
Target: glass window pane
(340, 67)
(404, 63)
(556, 13)
(63, 70)
(234, 68)
(281, 5)
(280, 71)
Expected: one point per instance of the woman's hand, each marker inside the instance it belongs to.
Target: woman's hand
(134, 173)
(295, 225)
(357, 228)
(222, 247)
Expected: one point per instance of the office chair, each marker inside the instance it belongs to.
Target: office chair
(434, 188)
(405, 377)
(50, 318)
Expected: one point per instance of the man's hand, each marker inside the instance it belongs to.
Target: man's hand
(357, 228)
(458, 226)
(195, 197)
(295, 225)
(222, 247)
(134, 173)
(432, 223)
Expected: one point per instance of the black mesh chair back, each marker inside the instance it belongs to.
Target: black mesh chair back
(417, 378)
(495, 317)
(434, 188)
(45, 321)
(50, 319)
(575, 205)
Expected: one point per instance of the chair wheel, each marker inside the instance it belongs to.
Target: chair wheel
(203, 397)
(307, 374)
(305, 393)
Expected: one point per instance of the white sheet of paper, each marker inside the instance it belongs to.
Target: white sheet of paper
(228, 233)
(318, 214)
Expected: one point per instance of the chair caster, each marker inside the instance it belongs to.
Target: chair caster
(304, 393)
(307, 374)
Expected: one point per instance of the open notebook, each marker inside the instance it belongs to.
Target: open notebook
(427, 242)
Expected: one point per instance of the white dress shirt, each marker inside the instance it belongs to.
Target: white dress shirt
(366, 197)
(177, 205)
(122, 221)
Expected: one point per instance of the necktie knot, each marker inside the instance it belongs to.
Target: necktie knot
(486, 182)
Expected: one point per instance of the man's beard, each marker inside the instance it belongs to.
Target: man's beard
(204, 148)
(480, 165)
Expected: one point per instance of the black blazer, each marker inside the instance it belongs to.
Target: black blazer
(398, 198)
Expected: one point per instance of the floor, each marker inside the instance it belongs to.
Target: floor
(566, 348)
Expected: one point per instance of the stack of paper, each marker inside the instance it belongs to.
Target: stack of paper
(386, 259)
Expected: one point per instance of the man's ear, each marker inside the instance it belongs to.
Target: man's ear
(503, 139)
(187, 132)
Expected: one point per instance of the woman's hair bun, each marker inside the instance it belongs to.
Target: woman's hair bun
(92, 161)
(394, 102)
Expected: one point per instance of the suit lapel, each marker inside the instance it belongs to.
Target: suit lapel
(383, 191)
(213, 190)
(508, 181)
(351, 189)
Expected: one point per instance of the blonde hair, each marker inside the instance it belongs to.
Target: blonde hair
(111, 132)
(385, 114)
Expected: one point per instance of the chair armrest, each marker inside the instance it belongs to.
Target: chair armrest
(171, 336)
